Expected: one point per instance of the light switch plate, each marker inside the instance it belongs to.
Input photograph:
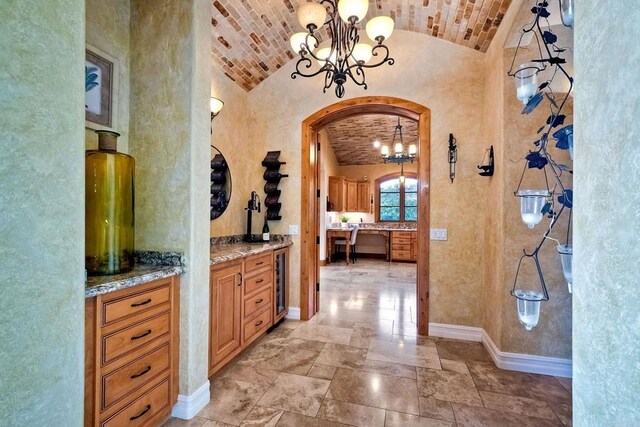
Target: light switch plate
(438, 234)
(293, 230)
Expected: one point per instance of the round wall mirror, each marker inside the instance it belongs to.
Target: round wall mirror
(220, 183)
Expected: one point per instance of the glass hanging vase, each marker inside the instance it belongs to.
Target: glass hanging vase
(566, 255)
(526, 81)
(109, 208)
(528, 300)
(531, 204)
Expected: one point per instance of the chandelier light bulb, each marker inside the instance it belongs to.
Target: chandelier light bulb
(353, 9)
(298, 42)
(362, 53)
(413, 150)
(325, 54)
(385, 151)
(380, 28)
(397, 148)
(312, 15)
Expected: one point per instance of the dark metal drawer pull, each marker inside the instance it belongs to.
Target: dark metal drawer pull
(260, 300)
(259, 323)
(147, 369)
(259, 281)
(141, 336)
(141, 413)
(141, 303)
(260, 263)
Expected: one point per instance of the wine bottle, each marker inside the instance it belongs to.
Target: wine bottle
(273, 176)
(265, 230)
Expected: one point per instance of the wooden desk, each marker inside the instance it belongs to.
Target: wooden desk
(338, 233)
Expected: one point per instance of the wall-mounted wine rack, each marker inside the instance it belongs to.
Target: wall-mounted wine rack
(272, 176)
(220, 185)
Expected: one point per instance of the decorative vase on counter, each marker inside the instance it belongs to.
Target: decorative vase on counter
(109, 220)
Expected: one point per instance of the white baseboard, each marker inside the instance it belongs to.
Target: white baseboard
(188, 407)
(457, 332)
(294, 313)
(504, 360)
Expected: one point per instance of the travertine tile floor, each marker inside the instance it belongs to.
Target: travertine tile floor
(360, 362)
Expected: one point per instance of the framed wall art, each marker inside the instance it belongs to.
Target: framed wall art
(100, 89)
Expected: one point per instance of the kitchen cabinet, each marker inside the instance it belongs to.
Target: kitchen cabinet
(131, 355)
(225, 312)
(364, 196)
(352, 196)
(404, 246)
(245, 303)
(349, 195)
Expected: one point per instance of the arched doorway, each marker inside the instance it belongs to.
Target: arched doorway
(310, 201)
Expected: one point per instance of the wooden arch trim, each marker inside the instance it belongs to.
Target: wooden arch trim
(310, 203)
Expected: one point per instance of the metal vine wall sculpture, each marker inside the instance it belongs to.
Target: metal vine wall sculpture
(556, 199)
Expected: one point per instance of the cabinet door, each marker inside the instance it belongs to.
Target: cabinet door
(225, 316)
(363, 197)
(336, 193)
(352, 196)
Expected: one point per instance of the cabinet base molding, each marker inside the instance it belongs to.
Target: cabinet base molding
(294, 313)
(188, 407)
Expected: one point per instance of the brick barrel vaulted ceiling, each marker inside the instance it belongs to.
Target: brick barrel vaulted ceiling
(251, 37)
(351, 139)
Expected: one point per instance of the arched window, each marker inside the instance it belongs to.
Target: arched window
(397, 198)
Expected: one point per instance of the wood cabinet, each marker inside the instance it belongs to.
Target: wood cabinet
(225, 311)
(404, 246)
(337, 193)
(131, 355)
(243, 305)
(352, 196)
(349, 195)
(364, 196)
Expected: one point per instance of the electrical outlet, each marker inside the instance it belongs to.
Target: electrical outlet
(293, 230)
(438, 234)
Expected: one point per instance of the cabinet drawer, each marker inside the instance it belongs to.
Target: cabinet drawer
(403, 255)
(142, 410)
(121, 308)
(258, 281)
(255, 303)
(401, 241)
(257, 262)
(124, 380)
(255, 326)
(134, 337)
(403, 234)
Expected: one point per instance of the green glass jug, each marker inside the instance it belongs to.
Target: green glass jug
(109, 209)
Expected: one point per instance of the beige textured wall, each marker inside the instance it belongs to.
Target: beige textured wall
(170, 140)
(506, 235)
(447, 78)
(41, 213)
(231, 136)
(607, 219)
(328, 167)
(107, 29)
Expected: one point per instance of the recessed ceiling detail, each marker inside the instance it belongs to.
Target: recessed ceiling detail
(251, 37)
(352, 139)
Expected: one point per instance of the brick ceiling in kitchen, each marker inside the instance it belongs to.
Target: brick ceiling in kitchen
(352, 139)
(251, 37)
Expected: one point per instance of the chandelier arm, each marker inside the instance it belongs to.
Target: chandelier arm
(309, 63)
(359, 73)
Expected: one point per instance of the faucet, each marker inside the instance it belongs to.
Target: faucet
(252, 205)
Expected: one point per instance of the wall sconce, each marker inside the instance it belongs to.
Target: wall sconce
(453, 156)
(216, 107)
(486, 169)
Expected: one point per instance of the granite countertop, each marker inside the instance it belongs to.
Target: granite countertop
(381, 226)
(149, 266)
(225, 249)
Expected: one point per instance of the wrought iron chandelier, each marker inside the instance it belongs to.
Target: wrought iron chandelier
(348, 56)
(401, 154)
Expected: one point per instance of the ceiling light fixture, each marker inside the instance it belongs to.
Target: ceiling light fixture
(348, 56)
(376, 144)
(401, 154)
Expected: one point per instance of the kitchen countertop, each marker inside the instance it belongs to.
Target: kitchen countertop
(378, 226)
(149, 266)
(223, 252)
